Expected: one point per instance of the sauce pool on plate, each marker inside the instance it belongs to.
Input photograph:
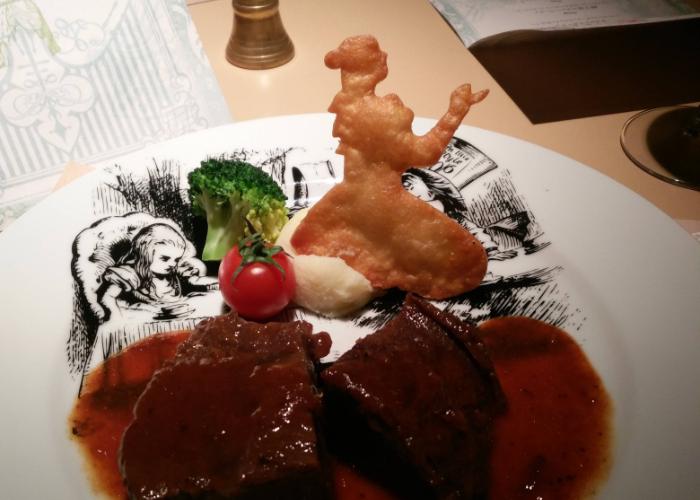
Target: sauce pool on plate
(554, 440)
(552, 443)
(104, 407)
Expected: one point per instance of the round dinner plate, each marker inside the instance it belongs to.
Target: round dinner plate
(570, 247)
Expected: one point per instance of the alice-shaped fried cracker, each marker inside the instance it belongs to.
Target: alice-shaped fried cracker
(369, 220)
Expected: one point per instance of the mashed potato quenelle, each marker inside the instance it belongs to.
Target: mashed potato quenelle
(325, 285)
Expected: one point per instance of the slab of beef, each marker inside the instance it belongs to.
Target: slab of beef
(233, 415)
(412, 405)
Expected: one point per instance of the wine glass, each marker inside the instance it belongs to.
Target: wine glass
(665, 142)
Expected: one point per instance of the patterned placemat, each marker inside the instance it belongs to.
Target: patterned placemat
(87, 81)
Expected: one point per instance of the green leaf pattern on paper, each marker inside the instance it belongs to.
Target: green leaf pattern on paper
(86, 81)
(23, 14)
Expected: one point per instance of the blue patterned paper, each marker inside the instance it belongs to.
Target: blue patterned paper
(89, 80)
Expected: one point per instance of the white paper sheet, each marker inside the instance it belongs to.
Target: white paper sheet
(88, 80)
(473, 20)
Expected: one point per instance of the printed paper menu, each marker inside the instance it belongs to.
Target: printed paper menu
(477, 19)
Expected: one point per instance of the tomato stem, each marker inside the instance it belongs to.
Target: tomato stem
(253, 249)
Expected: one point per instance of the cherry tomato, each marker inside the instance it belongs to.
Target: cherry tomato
(259, 290)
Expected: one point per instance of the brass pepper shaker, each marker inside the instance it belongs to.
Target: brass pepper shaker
(258, 39)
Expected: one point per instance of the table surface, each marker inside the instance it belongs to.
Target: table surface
(426, 62)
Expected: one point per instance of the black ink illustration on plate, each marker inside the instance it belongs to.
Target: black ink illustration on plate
(137, 271)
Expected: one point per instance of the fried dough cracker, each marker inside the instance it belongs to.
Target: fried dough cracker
(369, 220)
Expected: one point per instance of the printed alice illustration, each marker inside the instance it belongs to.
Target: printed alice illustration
(500, 239)
(155, 275)
(435, 189)
(525, 289)
(135, 275)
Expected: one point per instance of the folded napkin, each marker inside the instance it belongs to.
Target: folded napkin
(87, 81)
(565, 74)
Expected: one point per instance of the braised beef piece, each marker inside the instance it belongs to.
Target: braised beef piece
(412, 405)
(233, 415)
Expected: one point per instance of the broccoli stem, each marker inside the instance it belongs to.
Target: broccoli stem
(226, 226)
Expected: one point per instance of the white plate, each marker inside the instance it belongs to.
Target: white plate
(619, 275)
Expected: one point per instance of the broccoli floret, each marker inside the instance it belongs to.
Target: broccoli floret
(236, 198)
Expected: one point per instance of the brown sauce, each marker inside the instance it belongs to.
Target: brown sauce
(553, 443)
(349, 485)
(105, 405)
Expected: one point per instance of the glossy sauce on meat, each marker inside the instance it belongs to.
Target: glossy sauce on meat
(233, 415)
(550, 386)
(413, 405)
(553, 443)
